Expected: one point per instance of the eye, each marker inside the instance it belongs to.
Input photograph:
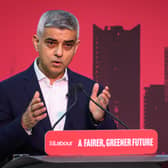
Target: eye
(68, 45)
(51, 44)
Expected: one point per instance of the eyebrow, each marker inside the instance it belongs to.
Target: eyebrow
(50, 39)
(68, 41)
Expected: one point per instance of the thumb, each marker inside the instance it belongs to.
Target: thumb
(95, 90)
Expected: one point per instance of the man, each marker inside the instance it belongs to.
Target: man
(32, 101)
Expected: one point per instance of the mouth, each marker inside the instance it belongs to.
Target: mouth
(56, 63)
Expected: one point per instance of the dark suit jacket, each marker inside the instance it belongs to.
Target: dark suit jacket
(15, 95)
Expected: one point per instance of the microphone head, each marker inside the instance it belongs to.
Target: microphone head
(71, 90)
(74, 88)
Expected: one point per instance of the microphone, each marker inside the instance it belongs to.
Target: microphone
(73, 89)
(80, 86)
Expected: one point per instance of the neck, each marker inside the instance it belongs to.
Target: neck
(52, 77)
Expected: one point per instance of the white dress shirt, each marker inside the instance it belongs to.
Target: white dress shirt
(55, 96)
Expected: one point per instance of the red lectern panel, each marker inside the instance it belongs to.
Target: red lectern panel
(101, 142)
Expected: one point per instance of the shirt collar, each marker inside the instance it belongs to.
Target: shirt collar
(40, 75)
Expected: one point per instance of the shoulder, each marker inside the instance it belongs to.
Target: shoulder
(78, 78)
(86, 82)
(17, 79)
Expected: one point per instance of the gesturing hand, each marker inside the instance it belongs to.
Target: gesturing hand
(34, 113)
(102, 99)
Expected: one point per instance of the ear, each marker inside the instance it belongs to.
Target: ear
(35, 40)
(76, 45)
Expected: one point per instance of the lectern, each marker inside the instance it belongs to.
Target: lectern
(145, 161)
(96, 149)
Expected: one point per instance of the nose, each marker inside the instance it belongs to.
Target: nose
(59, 51)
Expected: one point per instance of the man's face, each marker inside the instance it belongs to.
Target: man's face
(56, 48)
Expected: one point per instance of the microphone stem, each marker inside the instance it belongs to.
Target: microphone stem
(72, 105)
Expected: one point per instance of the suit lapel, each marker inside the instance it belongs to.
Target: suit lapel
(72, 81)
(32, 85)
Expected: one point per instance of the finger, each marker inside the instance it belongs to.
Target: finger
(35, 101)
(36, 98)
(36, 94)
(37, 106)
(106, 93)
(41, 117)
(107, 88)
(95, 90)
(39, 112)
(103, 98)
